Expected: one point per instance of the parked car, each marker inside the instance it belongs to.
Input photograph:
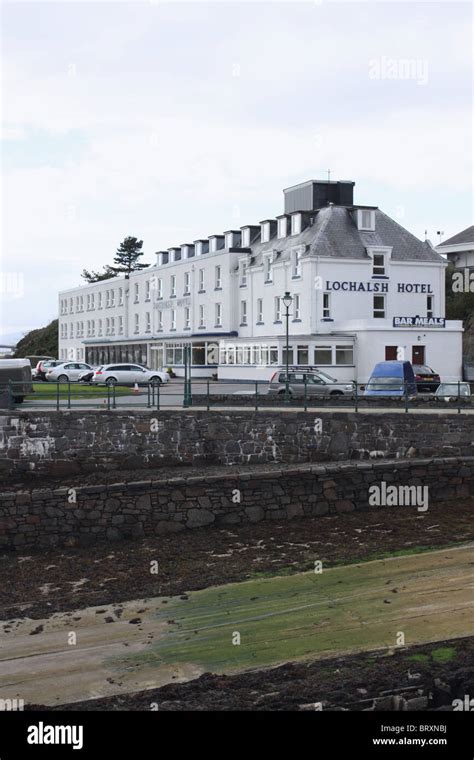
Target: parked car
(426, 378)
(128, 374)
(391, 378)
(39, 372)
(18, 371)
(316, 383)
(66, 372)
(452, 391)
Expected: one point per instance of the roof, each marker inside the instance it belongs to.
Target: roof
(466, 236)
(334, 234)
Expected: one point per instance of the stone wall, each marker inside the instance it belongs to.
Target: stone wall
(40, 518)
(62, 444)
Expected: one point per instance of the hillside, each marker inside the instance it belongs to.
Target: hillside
(43, 341)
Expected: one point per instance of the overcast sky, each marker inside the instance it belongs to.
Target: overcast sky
(172, 121)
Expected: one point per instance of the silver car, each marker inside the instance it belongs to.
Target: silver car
(316, 384)
(66, 372)
(128, 374)
(452, 391)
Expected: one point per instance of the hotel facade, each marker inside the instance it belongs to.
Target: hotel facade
(363, 290)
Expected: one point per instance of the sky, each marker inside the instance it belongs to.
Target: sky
(171, 121)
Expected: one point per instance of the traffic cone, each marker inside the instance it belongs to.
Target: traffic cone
(135, 388)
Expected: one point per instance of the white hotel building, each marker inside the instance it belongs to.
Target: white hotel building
(364, 290)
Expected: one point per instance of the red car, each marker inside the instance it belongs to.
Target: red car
(426, 378)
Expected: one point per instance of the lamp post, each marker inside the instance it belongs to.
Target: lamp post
(287, 301)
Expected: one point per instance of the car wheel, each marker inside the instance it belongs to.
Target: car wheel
(111, 381)
(63, 379)
(155, 380)
(336, 393)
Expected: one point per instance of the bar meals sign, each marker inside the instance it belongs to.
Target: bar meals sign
(419, 322)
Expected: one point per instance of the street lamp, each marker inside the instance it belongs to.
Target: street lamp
(287, 301)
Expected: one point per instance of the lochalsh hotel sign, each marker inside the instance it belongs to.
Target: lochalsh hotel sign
(419, 322)
(378, 286)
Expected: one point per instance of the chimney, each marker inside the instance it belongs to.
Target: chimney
(317, 193)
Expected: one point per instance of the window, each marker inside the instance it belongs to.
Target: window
(277, 309)
(136, 293)
(296, 307)
(120, 297)
(246, 237)
(173, 319)
(296, 264)
(107, 326)
(120, 325)
(379, 307)
(218, 278)
(201, 280)
(173, 286)
(429, 306)
(160, 321)
(112, 297)
(326, 305)
(322, 355)
(148, 322)
(302, 355)
(92, 301)
(265, 234)
(296, 224)
(259, 310)
(99, 327)
(282, 227)
(344, 354)
(159, 288)
(137, 323)
(147, 290)
(290, 354)
(243, 273)
(267, 268)
(366, 219)
(112, 325)
(202, 322)
(71, 304)
(187, 283)
(378, 265)
(218, 315)
(99, 298)
(187, 318)
(243, 312)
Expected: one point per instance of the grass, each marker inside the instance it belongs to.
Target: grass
(344, 609)
(441, 655)
(78, 390)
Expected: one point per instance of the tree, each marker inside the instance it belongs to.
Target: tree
(127, 256)
(126, 260)
(97, 276)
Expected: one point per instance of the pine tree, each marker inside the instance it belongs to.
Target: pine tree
(97, 276)
(127, 256)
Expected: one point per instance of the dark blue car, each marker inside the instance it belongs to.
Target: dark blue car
(393, 378)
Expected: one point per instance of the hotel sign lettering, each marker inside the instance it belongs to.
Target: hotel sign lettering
(377, 286)
(419, 322)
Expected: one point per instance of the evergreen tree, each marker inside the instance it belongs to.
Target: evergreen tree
(97, 276)
(127, 256)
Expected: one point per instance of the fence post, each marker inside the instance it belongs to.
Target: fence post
(57, 396)
(208, 397)
(406, 396)
(356, 397)
(459, 397)
(11, 403)
(158, 396)
(305, 393)
(256, 395)
(114, 404)
(148, 396)
(68, 394)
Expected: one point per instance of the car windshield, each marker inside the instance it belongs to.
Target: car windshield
(385, 381)
(327, 378)
(452, 388)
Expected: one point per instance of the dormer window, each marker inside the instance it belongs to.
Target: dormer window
(265, 235)
(246, 237)
(366, 219)
(282, 227)
(212, 244)
(296, 224)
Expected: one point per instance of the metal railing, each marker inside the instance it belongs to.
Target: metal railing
(210, 394)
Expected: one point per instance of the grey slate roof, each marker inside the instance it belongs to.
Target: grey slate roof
(334, 234)
(466, 236)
